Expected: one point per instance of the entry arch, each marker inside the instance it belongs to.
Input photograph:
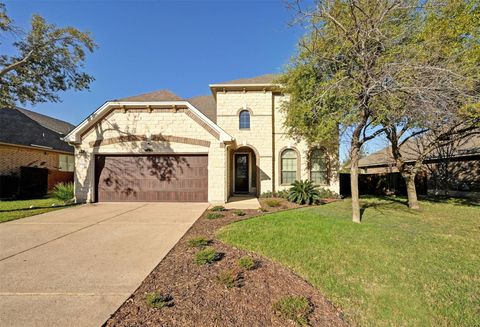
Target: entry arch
(253, 169)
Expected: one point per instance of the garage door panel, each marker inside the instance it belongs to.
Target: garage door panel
(152, 178)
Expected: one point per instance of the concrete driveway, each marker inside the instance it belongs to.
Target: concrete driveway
(76, 266)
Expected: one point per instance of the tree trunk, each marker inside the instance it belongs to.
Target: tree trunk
(354, 184)
(411, 191)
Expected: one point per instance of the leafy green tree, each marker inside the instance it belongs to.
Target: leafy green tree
(360, 65)
(443, 107)
(343, 65)
(45, 61)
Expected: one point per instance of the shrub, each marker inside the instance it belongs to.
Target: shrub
(214, 215)
(267, 194)
(207, 256)
(240, 213)
(262, 209)
(198, 242)
(157, 300)
(326, 193)
(280, 194)
(230, 278)
(247, 263)
(296, 308)
(218, 208)
(63, 191)
(273, 203)
(304, 192)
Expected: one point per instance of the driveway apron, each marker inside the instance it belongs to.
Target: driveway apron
(76, 266)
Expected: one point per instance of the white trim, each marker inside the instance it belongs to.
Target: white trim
(224, 136)
(74, 135)
(41, 146)
(35, 148)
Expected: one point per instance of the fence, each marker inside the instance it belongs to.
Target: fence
(382, 184)
(31, 182)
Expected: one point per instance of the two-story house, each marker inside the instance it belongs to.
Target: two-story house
(159, 147)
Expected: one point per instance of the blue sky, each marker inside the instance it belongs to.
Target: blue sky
(178, 45)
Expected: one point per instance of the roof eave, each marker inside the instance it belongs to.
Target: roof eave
(74, 136)
(214, 88)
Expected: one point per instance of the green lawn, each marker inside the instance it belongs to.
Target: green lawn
(397, 268)
(10, 210)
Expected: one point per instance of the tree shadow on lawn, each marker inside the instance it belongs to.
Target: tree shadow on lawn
(380, 202)
(471, 202)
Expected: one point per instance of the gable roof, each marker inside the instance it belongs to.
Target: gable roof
(262, 79)
(75, 135)
(24, 127)
(203, 106)
(409, 150)
(207, 105)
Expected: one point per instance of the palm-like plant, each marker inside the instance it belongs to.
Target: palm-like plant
(304, 192)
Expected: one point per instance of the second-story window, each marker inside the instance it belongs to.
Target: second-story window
(244, 119)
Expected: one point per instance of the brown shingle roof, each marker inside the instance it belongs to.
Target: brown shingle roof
(206, 104)
(411, 148)
(161, 95)
(263, 79)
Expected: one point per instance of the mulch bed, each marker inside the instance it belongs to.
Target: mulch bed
(199, 299)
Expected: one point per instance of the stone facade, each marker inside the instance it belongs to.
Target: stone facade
(266, 136)
(180, 129)
(131, 130)
(258, 137)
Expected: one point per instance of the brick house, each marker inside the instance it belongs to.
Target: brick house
(159, 147)
(29, 139)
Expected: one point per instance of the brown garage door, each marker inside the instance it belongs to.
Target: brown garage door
(151, 178)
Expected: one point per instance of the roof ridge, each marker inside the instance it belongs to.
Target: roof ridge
(162, 94)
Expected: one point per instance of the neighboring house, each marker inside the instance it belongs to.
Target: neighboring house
(159, 147)
(29, 139)
(454, 168)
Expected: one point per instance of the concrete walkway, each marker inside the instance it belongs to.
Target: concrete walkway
(76, 266)
(242, 202)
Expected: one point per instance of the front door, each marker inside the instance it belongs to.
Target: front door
(241, 173)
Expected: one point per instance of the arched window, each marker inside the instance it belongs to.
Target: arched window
(244, 119)
(288, 166)
(318, 166)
